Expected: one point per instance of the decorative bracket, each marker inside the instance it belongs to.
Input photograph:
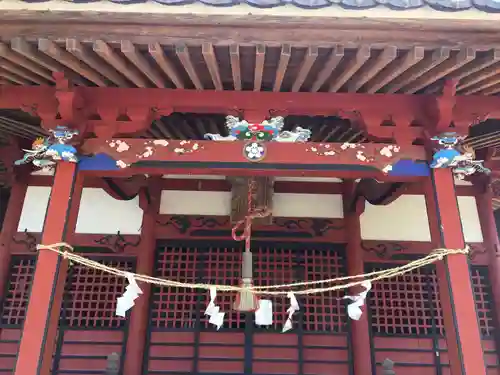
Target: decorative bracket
(445, 105)
(29, 241)
(69, 108)
(117, 242)
(383, 250)
(184, 223)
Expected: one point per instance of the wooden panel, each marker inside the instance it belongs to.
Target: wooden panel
(15, 302)
(415, 355)
(221, 352)
(9, 346)
(86, 350)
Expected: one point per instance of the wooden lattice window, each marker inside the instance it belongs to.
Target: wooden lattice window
(16, 299)
(406, 305)
(484, 300)
(323, 312)
(175, 307)
(90, 295)
(222, 265)
(182, 308)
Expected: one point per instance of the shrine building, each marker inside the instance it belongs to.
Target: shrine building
(256, 187)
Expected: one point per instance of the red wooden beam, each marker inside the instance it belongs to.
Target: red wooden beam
(172, 154)
(141, 104)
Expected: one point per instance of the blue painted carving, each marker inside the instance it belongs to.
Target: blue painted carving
(452, 153)
(405, 168)
(97, 162)
(46, 152)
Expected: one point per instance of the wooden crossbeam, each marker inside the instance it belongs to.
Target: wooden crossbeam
(376, 159)
(371, 110)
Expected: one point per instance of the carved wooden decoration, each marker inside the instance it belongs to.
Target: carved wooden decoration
(262, 198)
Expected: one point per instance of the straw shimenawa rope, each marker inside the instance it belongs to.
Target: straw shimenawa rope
(66, 251)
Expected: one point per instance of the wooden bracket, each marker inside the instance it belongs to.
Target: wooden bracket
(69, 108)
(353, 202)
(444, 107)
(114, 122)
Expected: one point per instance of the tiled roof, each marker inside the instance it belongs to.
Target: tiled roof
(489, 6)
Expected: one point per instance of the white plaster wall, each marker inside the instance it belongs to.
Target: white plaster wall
(405, 219)
(327, 206)
(101, 213)
(179, 202)
(34, 209)
(469, 215)
(175, 202)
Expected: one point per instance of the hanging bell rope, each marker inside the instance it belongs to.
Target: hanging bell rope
(246, 299)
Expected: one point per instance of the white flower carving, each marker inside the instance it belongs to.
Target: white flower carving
(160, 142)
(360, 156)
(121, 164)
(122, 146)
(387, 168)
(254, 151)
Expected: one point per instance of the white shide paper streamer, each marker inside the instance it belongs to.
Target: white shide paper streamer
(264, 314)
(213, 311)
(294, 306)
(127, 300)
(354, 308)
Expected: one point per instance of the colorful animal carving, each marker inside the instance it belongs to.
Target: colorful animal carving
(257, 134)
(268, 130)
(45, 152)
(453, 154)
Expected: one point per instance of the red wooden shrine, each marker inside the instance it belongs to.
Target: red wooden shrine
(60, 319)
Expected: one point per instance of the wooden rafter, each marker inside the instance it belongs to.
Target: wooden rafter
(257, 67)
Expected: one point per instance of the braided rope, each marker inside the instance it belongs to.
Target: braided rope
(66, 251)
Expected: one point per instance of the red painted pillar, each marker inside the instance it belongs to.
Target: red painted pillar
(10, 224)
(42, 316)
(360, 329)
(490, 240)
(138, 325)
(457, 300)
